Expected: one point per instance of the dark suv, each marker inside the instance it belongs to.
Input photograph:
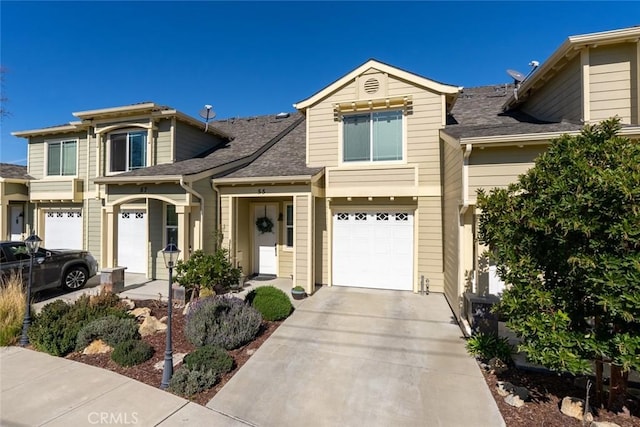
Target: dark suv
(66, 268)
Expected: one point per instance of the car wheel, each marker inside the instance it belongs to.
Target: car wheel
(75, 278)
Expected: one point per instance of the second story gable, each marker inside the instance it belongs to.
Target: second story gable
(376, 122)
(589, 78)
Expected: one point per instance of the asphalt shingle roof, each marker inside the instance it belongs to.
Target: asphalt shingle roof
(285, 158)
(249, 135)
(478, 112)
(11, 171)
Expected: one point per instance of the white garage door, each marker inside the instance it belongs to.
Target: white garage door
(373, 249)
(62, 229)
(132, 241)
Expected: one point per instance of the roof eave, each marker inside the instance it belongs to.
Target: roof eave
(137, 179)
(89, 114)
(71, 127)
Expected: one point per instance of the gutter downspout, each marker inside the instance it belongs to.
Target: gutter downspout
(463, 209)
(193, 192)
(218, 213)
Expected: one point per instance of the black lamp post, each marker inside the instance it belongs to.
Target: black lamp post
(170, 255)
(33, 243)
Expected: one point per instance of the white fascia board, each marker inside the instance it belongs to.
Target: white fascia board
(405, 75)
(255, 180)
(111, 110)
(71, 127)
(136, 179)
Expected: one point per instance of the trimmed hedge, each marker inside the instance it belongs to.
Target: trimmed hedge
(187, 382)
(111, 329)
(131, 353)
(209, 358)
(223, 321)
(271, 302)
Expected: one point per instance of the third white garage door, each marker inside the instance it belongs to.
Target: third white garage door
(373, 249)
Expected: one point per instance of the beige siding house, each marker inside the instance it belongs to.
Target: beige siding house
(371, 183)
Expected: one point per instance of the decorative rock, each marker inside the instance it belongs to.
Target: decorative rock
(505, 388)
(250, 352)
(186, 309)
(497, 366)
(574, 407)
(177, 359)
(163, 319)
(150, 326)
(514, 400)
(128, 304)
(603, 424)
(97, 347)
(141, 312)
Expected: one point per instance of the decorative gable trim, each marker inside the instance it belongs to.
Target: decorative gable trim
(381, 68)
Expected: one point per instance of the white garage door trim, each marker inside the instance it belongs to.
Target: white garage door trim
(63, 229)
(373, 248)
(132, 240)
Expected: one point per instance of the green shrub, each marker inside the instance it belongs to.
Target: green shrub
(223, 321)
(187, 382)
(56, 328)
(210, 271)
(131, 352)
(209, 358)
(12, 305)
(271, 302)
(111, 329)
(488, 346)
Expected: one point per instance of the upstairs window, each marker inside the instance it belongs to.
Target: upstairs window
(127, 151)
(61, 158)
(372, 137)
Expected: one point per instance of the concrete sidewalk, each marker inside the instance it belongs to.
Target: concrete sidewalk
(42, 390)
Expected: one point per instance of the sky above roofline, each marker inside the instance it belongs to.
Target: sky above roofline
(249, 59)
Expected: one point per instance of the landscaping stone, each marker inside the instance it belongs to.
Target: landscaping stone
(250, 351)
(97, 347)
(141, 312)
(574, 407)
(505, 388)
(185, 311)
(497, 366)
(163, 319)
(177, 359)
(128, 304)
(151, 325)
(514, 400)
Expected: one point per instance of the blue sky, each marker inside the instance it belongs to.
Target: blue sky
(259, 58)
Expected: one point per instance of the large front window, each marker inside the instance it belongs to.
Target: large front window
(127, 151)
(61, 158)
(372, 137)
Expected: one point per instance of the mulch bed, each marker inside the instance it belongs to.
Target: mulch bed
(546, 392)
(146, 373)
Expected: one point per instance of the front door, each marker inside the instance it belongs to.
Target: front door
(17, 222)
(265, 240)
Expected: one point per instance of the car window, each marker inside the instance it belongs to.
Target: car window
(18, 250)
(3, 257)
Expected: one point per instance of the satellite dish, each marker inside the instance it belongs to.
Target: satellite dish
(518, 77)
(207, 114)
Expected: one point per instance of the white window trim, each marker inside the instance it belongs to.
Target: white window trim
(167, 227)
(402, 161)
(127, 130)
(46, 159)
(284, 227)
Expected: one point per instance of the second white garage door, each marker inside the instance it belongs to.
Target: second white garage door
(132, 241)
(373, 249)
(62, 229)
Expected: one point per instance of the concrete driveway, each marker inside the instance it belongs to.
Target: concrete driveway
(356, 357)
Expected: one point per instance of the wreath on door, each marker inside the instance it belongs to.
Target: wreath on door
(264, 224)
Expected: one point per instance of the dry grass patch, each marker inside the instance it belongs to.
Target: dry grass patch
(12, 306)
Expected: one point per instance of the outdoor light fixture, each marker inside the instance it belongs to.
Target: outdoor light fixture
(32, 243)
(170, 255)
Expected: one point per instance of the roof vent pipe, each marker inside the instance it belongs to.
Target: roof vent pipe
(282, 115)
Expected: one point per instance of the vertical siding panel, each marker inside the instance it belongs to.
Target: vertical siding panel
(301, 224)
(452, 195)
(613, 89)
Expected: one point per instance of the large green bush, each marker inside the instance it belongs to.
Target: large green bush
(271, 302)
(111, 329)
(187, 382)
(209, 358)
(223, 321)
(488, 346)
(207, 271)
(131, 353)
(55, 329)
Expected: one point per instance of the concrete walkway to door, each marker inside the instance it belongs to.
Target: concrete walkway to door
(358, 357)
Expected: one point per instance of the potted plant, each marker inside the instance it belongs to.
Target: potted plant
(298, 292)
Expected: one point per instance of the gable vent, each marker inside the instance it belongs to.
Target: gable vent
(371, 86)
